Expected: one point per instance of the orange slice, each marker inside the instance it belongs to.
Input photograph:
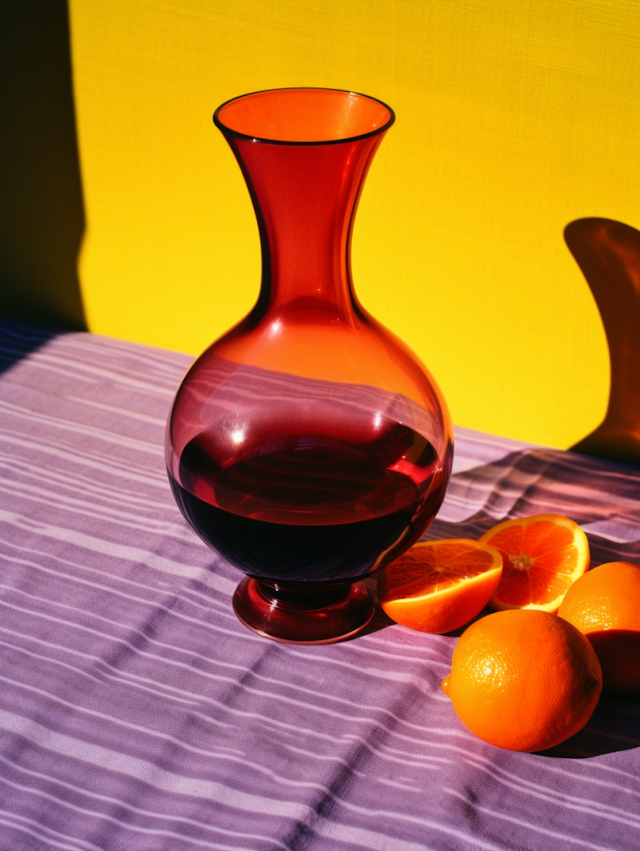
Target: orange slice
(438, 586)
(541, 557)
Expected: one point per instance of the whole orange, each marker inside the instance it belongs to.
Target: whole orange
(523, 679)
(605, 605)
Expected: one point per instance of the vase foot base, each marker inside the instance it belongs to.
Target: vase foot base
(301, 616)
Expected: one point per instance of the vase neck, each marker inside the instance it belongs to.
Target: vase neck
(305, 197)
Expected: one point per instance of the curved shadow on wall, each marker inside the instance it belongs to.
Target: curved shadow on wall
(41, 206)
(608, 253)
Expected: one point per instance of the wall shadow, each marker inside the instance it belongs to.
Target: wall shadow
(608, 253)
(41, 205)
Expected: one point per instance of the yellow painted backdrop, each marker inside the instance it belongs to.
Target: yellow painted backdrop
(513, 119)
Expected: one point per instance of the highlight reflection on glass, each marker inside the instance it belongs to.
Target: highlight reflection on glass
(308, 445)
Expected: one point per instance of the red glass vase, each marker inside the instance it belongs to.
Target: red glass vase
(308, 445)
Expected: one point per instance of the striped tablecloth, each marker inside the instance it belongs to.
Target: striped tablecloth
(138, 713)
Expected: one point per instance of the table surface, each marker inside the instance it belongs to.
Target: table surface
(138, 713)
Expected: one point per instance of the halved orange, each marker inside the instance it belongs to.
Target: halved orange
(438, 586)
(542, 556)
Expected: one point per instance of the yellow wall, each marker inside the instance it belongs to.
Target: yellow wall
(514, 117)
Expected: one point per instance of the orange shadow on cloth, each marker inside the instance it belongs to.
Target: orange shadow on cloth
(608, 253)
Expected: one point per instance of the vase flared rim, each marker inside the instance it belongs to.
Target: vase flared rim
(237, 134)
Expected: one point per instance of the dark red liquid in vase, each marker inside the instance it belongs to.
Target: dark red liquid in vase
(309, 508)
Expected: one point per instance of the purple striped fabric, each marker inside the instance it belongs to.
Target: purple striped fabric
(138, 713)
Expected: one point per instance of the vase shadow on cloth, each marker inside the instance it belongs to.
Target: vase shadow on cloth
(608, 254)
(42, 218)
(602, 496)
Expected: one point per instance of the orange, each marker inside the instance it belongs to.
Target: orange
(605, 605)
(542, 556)
(438, 586)
(523, 680)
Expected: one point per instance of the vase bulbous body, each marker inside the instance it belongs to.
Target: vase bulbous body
(308, 445)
